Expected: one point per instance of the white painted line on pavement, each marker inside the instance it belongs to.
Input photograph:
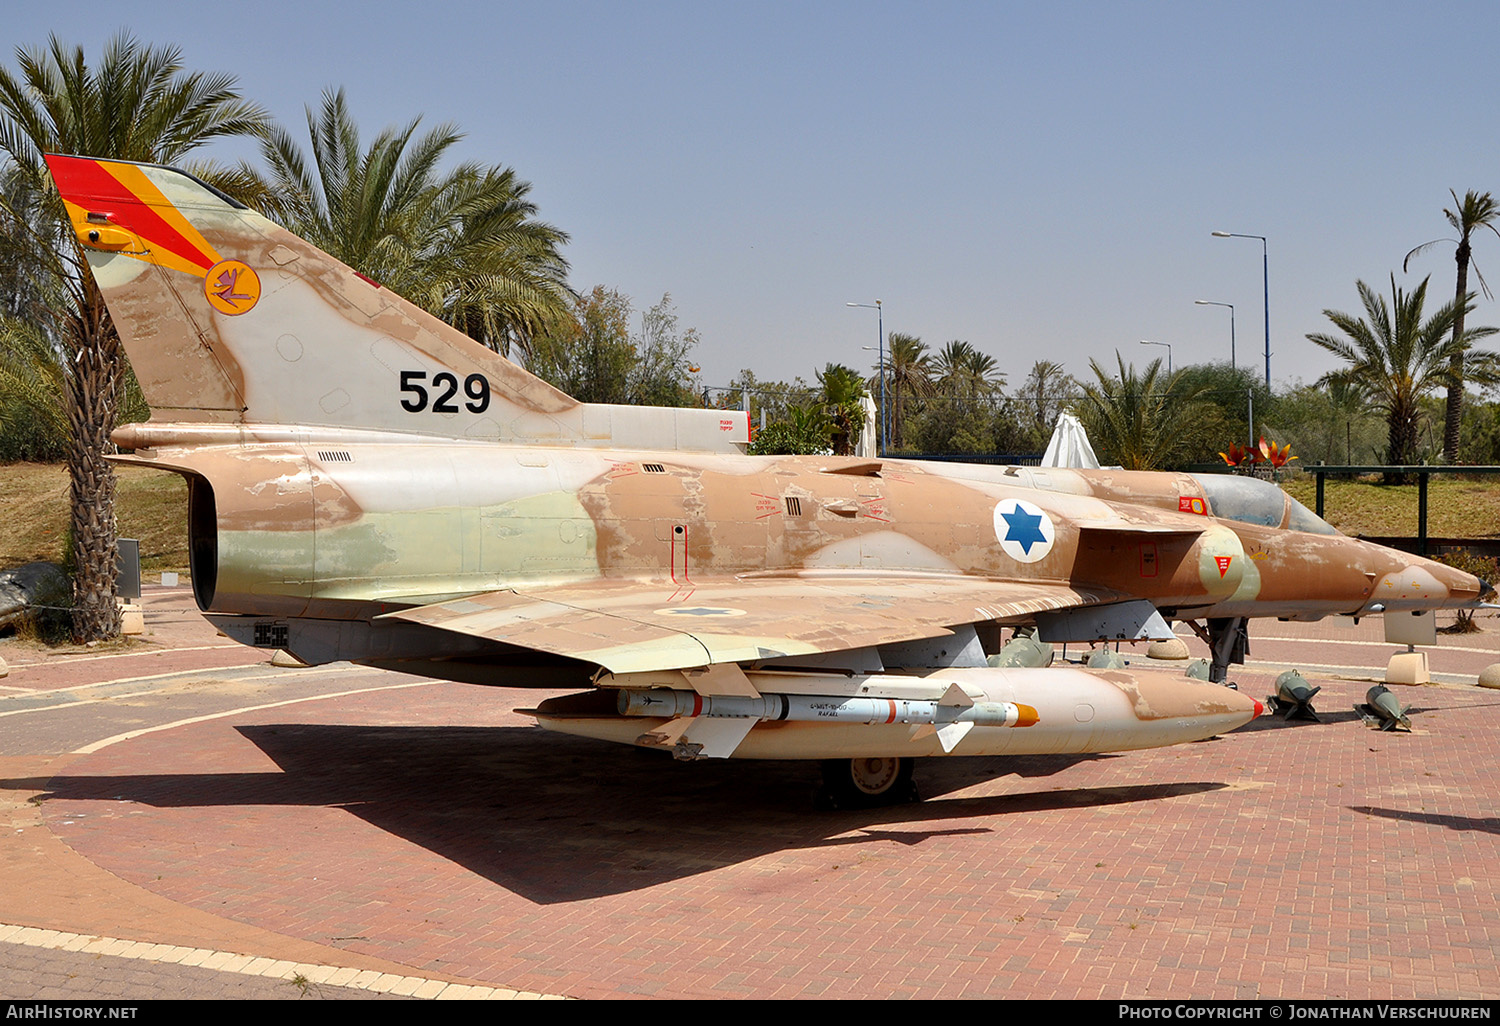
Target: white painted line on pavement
(171, 680)
(308, 974)
(106, 742)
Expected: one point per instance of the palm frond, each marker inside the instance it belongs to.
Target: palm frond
(465, 245)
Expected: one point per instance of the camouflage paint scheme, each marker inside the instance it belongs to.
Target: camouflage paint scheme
(367, 483)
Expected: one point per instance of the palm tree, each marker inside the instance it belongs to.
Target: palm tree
(1046, 390)
(1398, 357)
(964, 372)
(1143, 421)
(33, 387)
(802, 430)
(960, 414)
(1475, 211)
(908, 373)
(843, 388)
(463, 245)
(137, 104)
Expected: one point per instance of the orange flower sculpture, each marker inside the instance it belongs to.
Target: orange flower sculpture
(1277, 456)
(1240, 456)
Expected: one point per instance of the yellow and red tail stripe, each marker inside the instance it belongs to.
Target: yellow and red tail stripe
(131, 201)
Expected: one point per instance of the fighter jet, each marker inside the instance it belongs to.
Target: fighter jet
(366, 483)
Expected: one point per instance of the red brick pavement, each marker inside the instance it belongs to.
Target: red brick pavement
(177, 638)
(436, 829)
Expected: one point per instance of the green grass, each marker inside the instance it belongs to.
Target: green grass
(151, 505)
(1455, 508)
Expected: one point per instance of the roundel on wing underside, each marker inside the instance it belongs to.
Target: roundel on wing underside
(1024, 530)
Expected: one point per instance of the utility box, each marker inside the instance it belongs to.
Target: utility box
(128, 567)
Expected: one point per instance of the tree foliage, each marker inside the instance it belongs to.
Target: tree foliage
(1397, 357)
(594, 357)
(1046, 392)
(1140, 420)
(828, 420)
(1229, 397)
(1481, 433)
(961, 409)
(1473, 212)
(463, 244)
(799, 431)
(843, 390)
(769, 401)
(33, 385)
(963, 372)
(137, 103)
(907, 377)
(1330, 422)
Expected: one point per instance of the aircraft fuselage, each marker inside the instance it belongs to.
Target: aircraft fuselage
(355, 530)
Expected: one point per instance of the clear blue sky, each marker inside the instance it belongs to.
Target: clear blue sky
(1038, 179)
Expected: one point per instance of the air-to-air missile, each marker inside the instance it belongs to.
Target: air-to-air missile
(1382, 711)
(1293, 698)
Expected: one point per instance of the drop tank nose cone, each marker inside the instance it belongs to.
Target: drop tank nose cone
(1160, 697)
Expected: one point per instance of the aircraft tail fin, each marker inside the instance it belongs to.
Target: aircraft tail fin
(229, 319)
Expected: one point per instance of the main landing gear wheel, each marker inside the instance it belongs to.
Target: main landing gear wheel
(867, 783)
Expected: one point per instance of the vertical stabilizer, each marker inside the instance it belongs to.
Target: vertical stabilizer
(230, 319)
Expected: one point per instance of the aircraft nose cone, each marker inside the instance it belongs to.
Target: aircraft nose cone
(1487, 591)
(1463, 587)
(1259, 709)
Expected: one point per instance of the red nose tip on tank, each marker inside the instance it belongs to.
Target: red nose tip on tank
(1177, 710)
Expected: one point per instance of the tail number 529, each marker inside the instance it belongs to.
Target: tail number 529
(445, 392)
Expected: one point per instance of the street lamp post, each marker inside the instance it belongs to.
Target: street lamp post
(1265, 273)
(1210, 302)
(1148, 342)
(880, 326)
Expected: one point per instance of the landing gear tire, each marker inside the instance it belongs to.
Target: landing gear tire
(868, 783)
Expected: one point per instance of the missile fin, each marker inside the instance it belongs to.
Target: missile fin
(951, 734)
(956, 697)
(666, 735)
(716, 737)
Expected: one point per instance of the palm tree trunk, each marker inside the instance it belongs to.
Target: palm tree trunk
(1453, 414)
(1401, 439)
(93, 394)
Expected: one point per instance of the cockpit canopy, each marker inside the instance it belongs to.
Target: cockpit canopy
(1252, 501)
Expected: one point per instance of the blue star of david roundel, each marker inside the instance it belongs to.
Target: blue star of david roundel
(1025, 532)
